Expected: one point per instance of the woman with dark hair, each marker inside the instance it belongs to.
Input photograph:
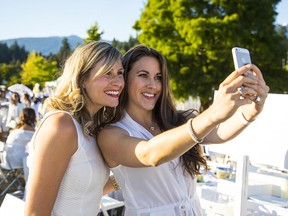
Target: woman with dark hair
(18, 138)
(26, 99)
(164, 142)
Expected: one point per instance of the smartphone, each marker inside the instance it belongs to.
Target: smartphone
(241, 56)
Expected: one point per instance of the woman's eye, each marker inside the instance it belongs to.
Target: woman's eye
(158, 77)
(108, 74)
(143, 75)
(120, 72)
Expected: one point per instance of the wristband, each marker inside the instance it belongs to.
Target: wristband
(191, 132)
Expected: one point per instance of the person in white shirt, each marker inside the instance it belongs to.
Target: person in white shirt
(4, 103)
(14, 109)
(35, 104)
(18, 138)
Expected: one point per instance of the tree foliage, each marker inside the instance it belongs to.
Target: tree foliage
(123, 47)
(64, 52)
(4, 53)
(94, 33)
(37, 69)
(10, 63)
(10, 73)
(196, 37)
(12, 54)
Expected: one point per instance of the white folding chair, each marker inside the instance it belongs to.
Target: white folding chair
(108, 203)
(10, 176)
(12, 205)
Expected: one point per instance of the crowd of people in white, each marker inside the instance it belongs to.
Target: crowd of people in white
(20, 113)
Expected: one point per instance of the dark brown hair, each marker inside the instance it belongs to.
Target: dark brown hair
(28, 117)
(164, 112)
(15, 98)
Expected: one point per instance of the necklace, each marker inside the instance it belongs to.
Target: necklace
(150, 128)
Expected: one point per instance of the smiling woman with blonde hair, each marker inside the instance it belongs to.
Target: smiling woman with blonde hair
(68, 174)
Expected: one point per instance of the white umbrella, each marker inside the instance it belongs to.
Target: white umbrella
(20, 89)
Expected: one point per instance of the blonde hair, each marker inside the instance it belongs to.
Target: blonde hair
(70, 95)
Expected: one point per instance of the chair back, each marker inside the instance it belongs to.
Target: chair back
(11, 179)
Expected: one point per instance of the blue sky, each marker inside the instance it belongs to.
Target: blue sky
(40, 18)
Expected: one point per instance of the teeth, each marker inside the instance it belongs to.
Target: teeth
(112, 92)
(148, 94)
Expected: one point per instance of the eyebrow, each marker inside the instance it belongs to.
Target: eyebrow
(145, 71)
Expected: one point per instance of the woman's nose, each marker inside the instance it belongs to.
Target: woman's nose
(151, 83)
(118, 80)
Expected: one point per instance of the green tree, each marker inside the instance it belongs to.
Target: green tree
(196, 37)
(94, 34)
(13, 53)
(37, 69)
(4, 53)
(18, 53)
(125, 46)
(64, 52)
(10, 73)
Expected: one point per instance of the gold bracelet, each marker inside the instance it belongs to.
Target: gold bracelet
(115, 184)
(192, 133)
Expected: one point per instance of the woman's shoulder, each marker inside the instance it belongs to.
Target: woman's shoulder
(58, 130)
(58, 120)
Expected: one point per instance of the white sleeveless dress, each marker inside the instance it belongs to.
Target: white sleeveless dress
(15, 149)
(155, 191)
(81, 188)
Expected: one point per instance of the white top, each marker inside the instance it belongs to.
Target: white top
(3, 116)
(13, 114)
(15, 148)
(151, 191)
(82, 185)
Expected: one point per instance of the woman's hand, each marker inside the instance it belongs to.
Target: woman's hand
(240, 89)
(257, 98)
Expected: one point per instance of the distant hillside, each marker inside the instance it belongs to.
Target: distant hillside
(44, 45)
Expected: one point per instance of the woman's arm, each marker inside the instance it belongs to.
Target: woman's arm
(55, 143)
(119, 148)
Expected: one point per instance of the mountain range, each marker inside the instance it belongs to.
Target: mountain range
(44, 45)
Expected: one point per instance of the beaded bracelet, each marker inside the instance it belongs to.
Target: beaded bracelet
(192, 133)
(242, 118)
(115, 184)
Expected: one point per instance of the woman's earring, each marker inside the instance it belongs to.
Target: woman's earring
(104, 112)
